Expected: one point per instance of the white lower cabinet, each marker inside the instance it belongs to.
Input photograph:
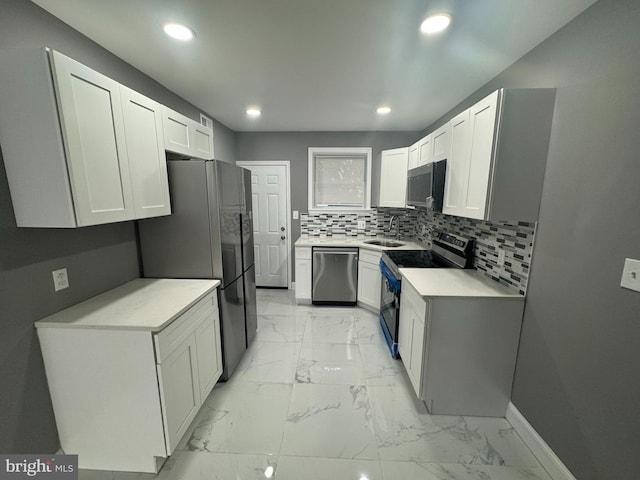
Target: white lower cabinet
(303, 274)
(369, 280)
(123, 396)
(411, 334)
(460, 352)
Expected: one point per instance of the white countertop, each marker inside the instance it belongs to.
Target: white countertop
(347, 241)
(147, 304)
(451, 282)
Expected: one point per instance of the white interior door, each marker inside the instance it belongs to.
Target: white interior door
(271, 231)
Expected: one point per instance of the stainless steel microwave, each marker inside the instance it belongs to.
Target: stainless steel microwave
(425, 185)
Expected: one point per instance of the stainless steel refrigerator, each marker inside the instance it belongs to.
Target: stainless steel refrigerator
(209, 234)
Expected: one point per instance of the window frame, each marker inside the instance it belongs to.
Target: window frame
(338, 151)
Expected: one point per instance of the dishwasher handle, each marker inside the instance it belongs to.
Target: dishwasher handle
(336, 251)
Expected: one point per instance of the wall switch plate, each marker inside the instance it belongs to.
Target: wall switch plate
(60, 279)
(501, 254)
(362, 224)
(424, 229)
(295, 214)
(631, 274)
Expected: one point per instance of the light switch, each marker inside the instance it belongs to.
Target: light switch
(631, 275)
(295, 214)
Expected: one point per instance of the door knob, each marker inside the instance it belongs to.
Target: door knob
(282, 237)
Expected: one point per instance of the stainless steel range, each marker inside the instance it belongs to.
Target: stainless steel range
(449, 251)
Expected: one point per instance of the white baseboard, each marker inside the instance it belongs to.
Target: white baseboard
(547, 457)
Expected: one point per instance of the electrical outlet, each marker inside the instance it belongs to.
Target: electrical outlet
(424, 229)
(60, 279)
(631, 274)
(501, 254)
(362, 224)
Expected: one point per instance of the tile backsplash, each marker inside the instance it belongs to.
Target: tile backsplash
(514, 238)
(376, 223)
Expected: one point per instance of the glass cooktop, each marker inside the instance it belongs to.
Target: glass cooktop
(414, 259)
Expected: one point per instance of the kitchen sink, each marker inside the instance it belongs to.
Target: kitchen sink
(385, 243)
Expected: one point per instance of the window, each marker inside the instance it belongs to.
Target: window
(339, 178)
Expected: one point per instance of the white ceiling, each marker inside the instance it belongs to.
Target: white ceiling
(319, 64)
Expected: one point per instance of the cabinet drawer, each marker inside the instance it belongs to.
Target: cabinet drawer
(367, 256)
(167, 340)
(303, 253)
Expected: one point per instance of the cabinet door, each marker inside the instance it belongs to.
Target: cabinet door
(457, 165)
(179, 390)
(417, 348)
(202, 141)
(147, 159)
(93, 130)
(414, 154)
(369, 282)
(303, 273)
(405, 330)
(393, 178)
(177, 137)
(425, 150)
(482, 123)
(441, 142)
(303, 279)
(209, 354)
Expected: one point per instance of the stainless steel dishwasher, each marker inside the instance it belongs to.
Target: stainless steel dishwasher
(335, 276)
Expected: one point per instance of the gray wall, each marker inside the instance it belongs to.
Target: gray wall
(97, 258)
(293, 146)
(577, 379)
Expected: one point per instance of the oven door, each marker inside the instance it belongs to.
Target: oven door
(389, 308)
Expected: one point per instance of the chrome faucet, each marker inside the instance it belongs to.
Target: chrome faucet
(395, 217)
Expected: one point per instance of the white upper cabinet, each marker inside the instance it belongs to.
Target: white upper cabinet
(93, 132)
(425, 153)
(185, 136)
(393, 178)
(145, 147)
(441, 143)
(414, 155)
(498, 156)
(457, 165)
(79, 148)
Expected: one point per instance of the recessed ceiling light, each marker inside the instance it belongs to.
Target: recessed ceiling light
(179, 31)
(384, 110)
(253, 112)
(435, 23)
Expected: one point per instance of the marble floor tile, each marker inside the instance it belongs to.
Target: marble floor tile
(331, 421)
(330, 329)
(217, 466)
(406, 432)
(336, 364)
(281, 328)
(440, 471)
(379, 367)
(240, 417)
(269, 362)
(318, 396)
(368, 329)
(314, 468)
